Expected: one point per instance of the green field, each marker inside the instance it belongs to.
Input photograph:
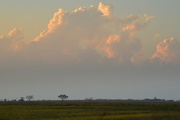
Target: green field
(92, 110)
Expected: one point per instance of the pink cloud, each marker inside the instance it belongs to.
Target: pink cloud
(105, 9)
(167, 51)
(90, 34)
(123, 48)
(126, 47)
(11, 41)
(73, 34)
(86, 32)
(137, 22)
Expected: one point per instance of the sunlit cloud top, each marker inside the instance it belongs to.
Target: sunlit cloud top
(93, 34)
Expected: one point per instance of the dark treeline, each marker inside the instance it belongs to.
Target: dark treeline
(93, 102)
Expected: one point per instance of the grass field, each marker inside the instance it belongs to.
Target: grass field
(92, 110)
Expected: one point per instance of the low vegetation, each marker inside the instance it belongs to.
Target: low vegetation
(89, 110)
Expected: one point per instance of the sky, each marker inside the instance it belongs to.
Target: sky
(101, 49)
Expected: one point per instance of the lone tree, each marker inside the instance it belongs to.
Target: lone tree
(29, 97)
(63, 97)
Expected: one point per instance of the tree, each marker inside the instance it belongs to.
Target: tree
(21, 99)
(29, 97)
(63, 97)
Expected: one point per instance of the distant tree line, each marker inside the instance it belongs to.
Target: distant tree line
(63, 97)
(21, 99)
(30, 97)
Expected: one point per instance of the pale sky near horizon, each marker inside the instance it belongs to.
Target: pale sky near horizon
(114, 49)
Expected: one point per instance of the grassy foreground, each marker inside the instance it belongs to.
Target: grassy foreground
(76, 110)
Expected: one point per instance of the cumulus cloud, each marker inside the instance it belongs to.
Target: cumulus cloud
(167, 51)
(90, 34)
(10, 46)
(92, 31)
(126, 47)
(137, 22)
(122, 48)
(105, 9)
(69, 34)
(83, 48)
(11, 41)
